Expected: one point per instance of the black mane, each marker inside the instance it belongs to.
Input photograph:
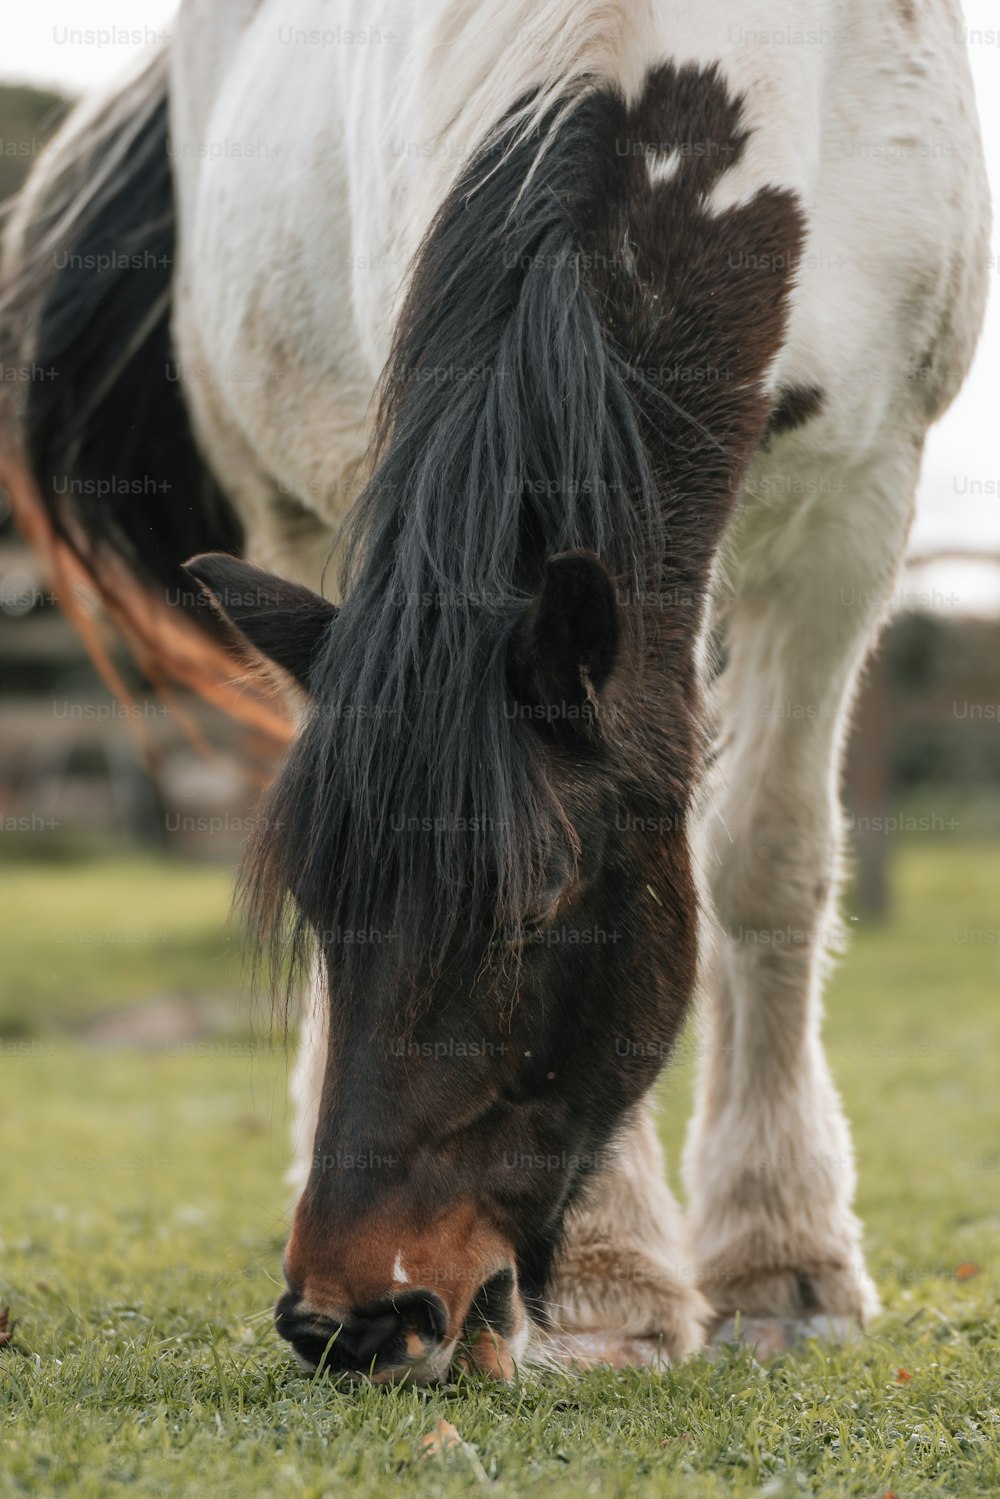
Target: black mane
(526, 409)
(506, 433)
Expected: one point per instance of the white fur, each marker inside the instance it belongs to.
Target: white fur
(870, 120)
(663, 167)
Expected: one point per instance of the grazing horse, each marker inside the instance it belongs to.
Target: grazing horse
(597, 342)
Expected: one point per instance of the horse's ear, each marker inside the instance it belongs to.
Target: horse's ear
(282, 621)
(565, 644)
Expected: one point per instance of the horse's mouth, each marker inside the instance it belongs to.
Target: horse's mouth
(479, 1350)
(423, 1354)
(484, 1352)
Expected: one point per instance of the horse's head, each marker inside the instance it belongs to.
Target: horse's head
(489, 1034)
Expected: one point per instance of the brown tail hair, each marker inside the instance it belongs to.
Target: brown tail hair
(97, 450)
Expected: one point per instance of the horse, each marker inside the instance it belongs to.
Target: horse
(590, 348)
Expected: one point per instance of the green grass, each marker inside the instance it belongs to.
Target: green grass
(85, 936)
(141, 1213)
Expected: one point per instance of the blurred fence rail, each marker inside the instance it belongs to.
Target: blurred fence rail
(75, 763)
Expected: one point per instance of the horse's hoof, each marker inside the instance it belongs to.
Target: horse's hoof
(594, 1350)
(767, 1336)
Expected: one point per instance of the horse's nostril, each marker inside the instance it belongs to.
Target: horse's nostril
(424, 1313)
(404, 1327)
(366, 1336)
(393, 1331)
(493, 1305)
(313, 1337)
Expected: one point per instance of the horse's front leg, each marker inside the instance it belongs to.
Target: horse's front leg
(769, 1164)
(624, 1288)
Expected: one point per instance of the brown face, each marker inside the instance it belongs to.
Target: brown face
(452, 1139)
(467, 1101)
(400, 1297)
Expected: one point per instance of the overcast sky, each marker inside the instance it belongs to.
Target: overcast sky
(960, 492)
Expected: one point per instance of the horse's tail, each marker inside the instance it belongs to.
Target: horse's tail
(96, 445)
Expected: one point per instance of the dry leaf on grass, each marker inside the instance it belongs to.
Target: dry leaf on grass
(444, 1438)
(967, 1270)
(6, 1326)
(902, 1377)
(441, 1439)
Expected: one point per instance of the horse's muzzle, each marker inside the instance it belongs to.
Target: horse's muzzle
(403, 1336)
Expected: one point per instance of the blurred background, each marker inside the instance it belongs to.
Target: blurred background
(148, 827)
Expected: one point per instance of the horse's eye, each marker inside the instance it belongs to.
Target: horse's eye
(537, 923)
(533, 927)
(548, 901)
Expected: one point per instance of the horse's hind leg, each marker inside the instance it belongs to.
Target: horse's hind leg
(769, 1164)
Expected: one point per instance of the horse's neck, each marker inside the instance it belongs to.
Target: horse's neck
(298, 259)
(466, 63)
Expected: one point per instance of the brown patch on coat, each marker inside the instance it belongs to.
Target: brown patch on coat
(796, 405)
(700, 299)
(488, 1353)
(415, 1346)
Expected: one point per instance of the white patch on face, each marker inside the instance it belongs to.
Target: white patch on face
(662, 166)
(399, 1275)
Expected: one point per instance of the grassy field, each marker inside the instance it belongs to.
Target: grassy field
(82, 938)
(142, 1219)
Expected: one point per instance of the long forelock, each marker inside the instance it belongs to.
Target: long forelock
(414, 801)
